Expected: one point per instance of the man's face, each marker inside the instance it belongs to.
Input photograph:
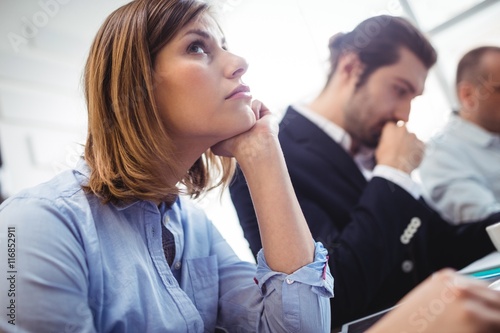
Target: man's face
(385, 96)
(486, 93)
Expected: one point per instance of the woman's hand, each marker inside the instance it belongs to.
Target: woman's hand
(446, 303)
(253, 141)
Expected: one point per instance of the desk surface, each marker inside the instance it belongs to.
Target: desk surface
(490, 261)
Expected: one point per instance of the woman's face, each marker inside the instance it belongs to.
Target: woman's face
(199, 89)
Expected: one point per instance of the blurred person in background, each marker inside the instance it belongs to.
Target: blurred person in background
(460, 171)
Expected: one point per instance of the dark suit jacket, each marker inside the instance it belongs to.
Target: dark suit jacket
(381, 241)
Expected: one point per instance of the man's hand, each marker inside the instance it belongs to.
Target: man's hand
(399, 148)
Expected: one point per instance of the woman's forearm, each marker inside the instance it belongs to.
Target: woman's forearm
(286, 239)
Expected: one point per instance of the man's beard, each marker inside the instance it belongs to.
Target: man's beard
(355, 122)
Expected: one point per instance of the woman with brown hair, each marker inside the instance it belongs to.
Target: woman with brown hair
(115, 245)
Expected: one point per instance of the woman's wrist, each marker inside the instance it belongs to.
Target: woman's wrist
(261, 149)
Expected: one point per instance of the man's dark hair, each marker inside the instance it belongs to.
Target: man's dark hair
(470, 67)
(377, 42)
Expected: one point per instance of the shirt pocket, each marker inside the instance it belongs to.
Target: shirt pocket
(204, 277)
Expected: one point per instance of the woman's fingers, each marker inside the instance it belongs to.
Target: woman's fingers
(259, 109)
(251, 141)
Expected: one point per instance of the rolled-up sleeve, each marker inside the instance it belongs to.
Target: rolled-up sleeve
(279, 302)
(316, 274)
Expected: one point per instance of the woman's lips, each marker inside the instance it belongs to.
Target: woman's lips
(241, 91)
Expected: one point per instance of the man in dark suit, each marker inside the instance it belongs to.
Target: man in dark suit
(350, 156)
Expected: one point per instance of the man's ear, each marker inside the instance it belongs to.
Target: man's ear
(466, 96)
(350, 66)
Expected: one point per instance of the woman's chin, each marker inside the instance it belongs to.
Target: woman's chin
(244, 122)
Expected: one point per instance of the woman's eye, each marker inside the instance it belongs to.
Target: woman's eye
(196, 48)
(400, 91)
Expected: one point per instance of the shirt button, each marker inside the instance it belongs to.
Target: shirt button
(177, 265)
(407, 266)
(289, 281)
(167, 219)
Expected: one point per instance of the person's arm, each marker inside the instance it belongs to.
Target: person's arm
(287, 241)
(270, 301)
(445, 302)
(293, 283)
(48, 289)
(243, 205)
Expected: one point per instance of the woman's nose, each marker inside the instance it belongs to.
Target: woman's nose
(238, 66)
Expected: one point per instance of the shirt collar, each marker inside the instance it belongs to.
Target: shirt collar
(337, 133)
(473, 133)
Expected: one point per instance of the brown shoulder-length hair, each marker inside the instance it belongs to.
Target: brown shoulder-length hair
(377, 42)
(128, 150)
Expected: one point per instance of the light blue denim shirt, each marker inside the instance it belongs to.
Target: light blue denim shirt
(73, 264)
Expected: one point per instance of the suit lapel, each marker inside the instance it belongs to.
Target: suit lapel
(305, 133)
